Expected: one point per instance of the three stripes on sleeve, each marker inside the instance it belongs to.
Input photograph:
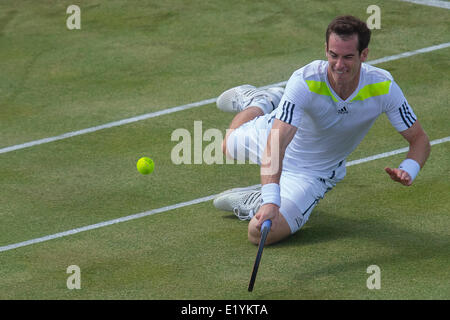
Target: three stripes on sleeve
(288, 110)
(407, 117)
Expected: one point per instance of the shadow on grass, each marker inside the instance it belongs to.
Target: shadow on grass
(402, 244)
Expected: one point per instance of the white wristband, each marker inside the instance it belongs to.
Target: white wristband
(270, 193)
(411, 166)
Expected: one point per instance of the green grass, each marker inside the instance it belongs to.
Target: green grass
(129, 59)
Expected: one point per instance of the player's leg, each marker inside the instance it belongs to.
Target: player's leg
(250, 103)
(279, 231)
(242, 117)
(299, 195)
(293, 214)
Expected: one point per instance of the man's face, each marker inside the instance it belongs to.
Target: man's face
(344, 60)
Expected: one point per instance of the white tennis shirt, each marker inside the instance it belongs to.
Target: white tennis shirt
(330, 128)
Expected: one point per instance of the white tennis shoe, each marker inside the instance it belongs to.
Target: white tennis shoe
(238, 98)
(243, 202)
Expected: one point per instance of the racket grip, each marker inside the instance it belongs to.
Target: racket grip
(266, 224)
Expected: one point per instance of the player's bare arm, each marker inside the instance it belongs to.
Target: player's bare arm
(419, 150)
(279, 138)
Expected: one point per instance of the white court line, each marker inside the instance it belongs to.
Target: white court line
(107, 125)
(392, 153)
(431, 3)
(410, 53)
(188, 106)
(180, 205)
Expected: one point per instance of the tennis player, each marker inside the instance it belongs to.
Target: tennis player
(301, 135)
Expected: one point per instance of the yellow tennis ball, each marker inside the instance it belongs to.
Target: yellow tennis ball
(145, 165)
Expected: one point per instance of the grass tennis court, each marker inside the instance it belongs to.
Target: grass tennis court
(131, 58)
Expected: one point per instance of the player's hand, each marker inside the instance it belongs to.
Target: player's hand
(399, 175)
(267, 211)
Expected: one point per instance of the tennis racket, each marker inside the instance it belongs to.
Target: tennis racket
(265, 228)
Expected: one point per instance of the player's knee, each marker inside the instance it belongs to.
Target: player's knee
(253, 233)
(253, 240)
(281, 232)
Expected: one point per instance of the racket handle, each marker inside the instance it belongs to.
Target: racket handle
(266, 224)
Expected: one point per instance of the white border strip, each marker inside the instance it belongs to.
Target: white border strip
(188, 106)
(179, 205)
(431, 3)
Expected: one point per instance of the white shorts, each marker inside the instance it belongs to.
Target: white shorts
(299, 192)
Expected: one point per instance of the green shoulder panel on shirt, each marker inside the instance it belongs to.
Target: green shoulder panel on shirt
(372, 90)
(368, 91)
(320, 87)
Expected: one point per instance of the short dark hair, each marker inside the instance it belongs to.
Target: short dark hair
(346, 26)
